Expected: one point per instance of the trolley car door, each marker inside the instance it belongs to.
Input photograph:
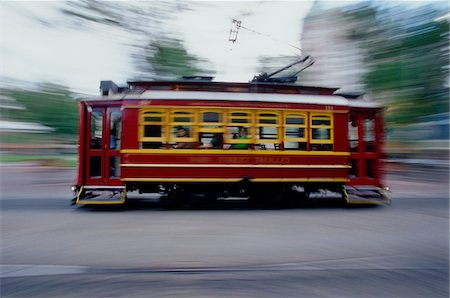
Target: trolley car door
(365, 138)
(103, 146)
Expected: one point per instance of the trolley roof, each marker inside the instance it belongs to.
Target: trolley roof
(235, 92)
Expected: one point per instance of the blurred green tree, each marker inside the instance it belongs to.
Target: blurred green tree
(168, 59)
(51, 105)
(407, 57)
(157, 53)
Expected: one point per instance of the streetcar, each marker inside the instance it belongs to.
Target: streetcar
(197, 139)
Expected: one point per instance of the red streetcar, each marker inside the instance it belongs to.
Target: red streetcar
(198, 139)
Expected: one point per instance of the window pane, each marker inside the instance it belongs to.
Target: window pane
(267, 118)
(268, 121)
(152, 131)
(114, 166)
(95, 166)
(182, 117)
(239, 120)
(153, 118)
(211, 117)
(299, 121)
(268, 133)
(369, 134)
(115, 130)
(239, 114)
(370, 168)
(294, 132)
(321, 122)
(96, 130)
(353, 135)
(321, 133)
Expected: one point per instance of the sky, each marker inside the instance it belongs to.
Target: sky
(33, 51)
(36, 52)
(278, 25)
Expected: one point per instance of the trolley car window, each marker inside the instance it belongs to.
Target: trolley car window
(369, 134)
(295, 120)
(182, 117)
(152, 117)
(115, 130)
(211, 117)
(295, 132)
(353, 136)
(239, 129)
(96, 130)
(268, 136)
(321, 121)
(370, 168)
(182, 128)
(152, 133)
(211, 122)
(321, 133)
(95, 168)
(268, 119)
(114, 167)
(268, 133)
(211, 129)
(240, 117)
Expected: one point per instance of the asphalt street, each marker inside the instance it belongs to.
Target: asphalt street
(50, 249)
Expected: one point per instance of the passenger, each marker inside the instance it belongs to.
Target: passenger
(183, 133)
(243, 135)
(215, 143)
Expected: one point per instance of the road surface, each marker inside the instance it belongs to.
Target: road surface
(50, 249)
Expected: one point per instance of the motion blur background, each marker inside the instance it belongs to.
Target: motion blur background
(54, 53)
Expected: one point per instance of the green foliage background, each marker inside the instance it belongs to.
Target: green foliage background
(50, 105)
(407, 58)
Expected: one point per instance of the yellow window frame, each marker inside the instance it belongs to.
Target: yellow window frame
(321, 116)
(251, 124)
(163, 123)
(221, 123)
(193, 124)
(277, 117)
(304, 126)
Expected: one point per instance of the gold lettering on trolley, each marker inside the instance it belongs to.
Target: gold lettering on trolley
(272, 160)
(234, 160)
(258, 160)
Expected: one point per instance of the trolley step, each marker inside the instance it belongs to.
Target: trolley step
(366, 195)
(101, 195)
